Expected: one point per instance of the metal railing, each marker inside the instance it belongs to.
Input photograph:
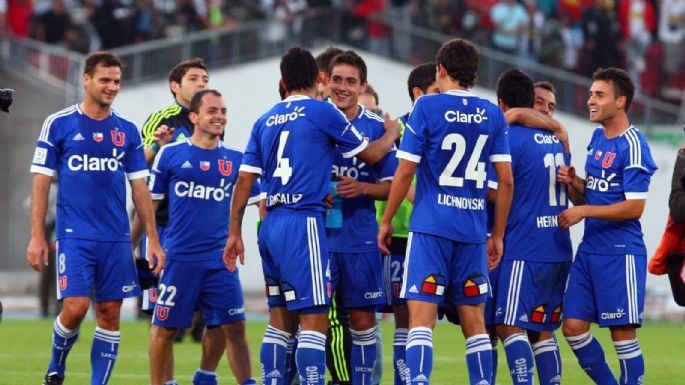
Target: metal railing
(252, 41)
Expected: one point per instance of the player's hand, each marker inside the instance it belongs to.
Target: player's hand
(328, 202)
(37, 253)
(384, 237)
(571, 216)
(495, 249)
(164, 134)
(156, 257)
(234, 250)
(392, 126)
(349, 188)
(566, 174)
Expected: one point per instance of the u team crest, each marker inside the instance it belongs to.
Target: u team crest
(118, 137)
(225, 167)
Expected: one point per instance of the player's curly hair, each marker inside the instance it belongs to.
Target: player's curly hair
(619, 80)
(460, 59)
(298, 69)
(515, 89)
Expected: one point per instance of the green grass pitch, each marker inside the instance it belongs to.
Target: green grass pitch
(25, 352)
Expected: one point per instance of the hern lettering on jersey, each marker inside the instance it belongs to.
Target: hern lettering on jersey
(547, 221)
(461, 202)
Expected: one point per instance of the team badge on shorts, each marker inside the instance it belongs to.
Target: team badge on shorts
(475, 286)
(62, 283)
(162, 312)
(433, 284)
(538, 315)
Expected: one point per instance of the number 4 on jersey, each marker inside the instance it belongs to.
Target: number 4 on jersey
(283, 169)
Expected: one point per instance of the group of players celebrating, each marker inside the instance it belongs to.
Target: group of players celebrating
(475, 225)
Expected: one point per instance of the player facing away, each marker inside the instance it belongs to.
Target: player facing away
(356, 268)
(452, 137)
(198, 175)
(292, 146)
(537, 252)
(421, 81)
(607, 280)
(94, 150)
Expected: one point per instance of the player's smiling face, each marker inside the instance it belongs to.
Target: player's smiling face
(104, 85)
(346, 86)
(194, 80)
(545, 101)
(602, 101)
(211, 118)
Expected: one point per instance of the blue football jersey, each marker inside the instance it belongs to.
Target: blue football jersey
(93, 159)
(616, 169)
(199, 184)
(533, 232)
(292, 147)
(359, 226)
(453, 136)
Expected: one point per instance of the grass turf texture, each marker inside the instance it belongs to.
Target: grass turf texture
(25, 352)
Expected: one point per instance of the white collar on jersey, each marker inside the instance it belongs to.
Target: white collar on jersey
(80, 111)
(460, 93)
(631, 127)
(294, 98)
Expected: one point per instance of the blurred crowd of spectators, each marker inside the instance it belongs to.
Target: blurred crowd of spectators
(645, 36)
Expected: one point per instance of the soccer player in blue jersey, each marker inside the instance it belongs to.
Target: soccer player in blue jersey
(451, 138)
(421, 81)
(607, 280)
(355, 259)
(94, 149)
(197, 175)
(537, 253)
(292, 147)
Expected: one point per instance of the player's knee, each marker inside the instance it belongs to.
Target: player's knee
(73, 312)
(235, 332)
(572, 329)
(161, 333)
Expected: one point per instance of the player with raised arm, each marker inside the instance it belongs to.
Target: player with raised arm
(451, 137)
(607, 280)
(537, 253)
(197, 176)
(93, 149)
(356, 271)
(292, 147)
(421, 81)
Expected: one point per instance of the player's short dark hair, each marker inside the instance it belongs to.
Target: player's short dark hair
(298, 69)
(179, 71)
(281, 90)
(545, 85)
(620, 80)
(106, 58)
(422, 76)
(460, 59)
(371, 91)
(515, 89)
(323, 60)
(350, 58)
(196, 101)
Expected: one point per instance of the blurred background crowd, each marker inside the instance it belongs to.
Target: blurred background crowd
(645, 36)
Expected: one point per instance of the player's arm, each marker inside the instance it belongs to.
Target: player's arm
(37, 251)
(398, 191)
(622, 211)
(144, 210)
(234, 246)
(351, 188)
(411, 194)
(528, 117)
(377, 149)
(502, 199)
(575, 184)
